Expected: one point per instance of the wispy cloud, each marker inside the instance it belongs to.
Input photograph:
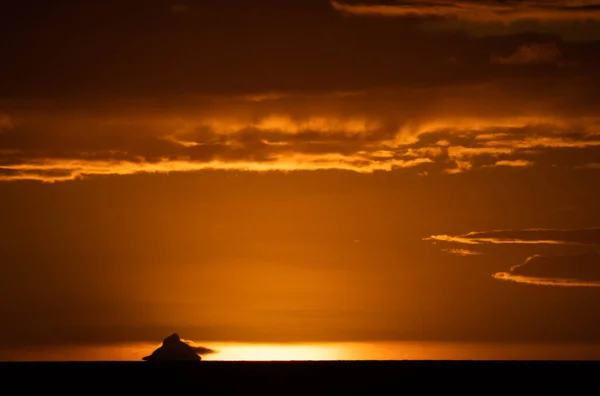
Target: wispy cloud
(64, 170)
(514, 163)
(534, 236)
(581, 270)
(462, 252)
(578, 270)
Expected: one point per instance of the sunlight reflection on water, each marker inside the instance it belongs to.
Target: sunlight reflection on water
(229, 351)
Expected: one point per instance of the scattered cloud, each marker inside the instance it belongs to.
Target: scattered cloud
(514, 163)
(459, 152)
(462, 252)
(476, 10)
(581, 270)
(184, 143)
(526, 54)
(534, 236)
(463, 157)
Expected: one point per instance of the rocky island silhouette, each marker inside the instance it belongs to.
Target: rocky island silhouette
(174, 349)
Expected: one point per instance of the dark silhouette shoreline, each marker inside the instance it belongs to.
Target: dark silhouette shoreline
(300, 377)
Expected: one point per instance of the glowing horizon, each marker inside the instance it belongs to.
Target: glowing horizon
(344, 351)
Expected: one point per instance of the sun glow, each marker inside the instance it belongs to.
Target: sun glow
(276, 352)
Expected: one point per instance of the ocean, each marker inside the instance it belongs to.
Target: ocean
(419, 377)
(232, 351)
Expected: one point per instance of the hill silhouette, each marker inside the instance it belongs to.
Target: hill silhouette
(173, 349)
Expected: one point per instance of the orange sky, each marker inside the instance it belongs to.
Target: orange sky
(268, 171)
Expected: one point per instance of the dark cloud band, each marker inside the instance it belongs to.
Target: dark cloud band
(476, 10)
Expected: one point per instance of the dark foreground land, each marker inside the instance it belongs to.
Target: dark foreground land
(300, 378)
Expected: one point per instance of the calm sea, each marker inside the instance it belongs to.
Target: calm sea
(229, 351)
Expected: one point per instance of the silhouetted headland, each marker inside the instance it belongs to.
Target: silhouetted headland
(173, 349)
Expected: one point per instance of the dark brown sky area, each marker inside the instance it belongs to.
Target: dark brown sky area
(299, 170)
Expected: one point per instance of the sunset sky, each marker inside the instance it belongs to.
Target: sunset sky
(299, 171)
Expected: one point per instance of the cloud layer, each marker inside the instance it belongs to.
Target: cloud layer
(441, 130)
(477, 10)
(413, 101)
(570, 19)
